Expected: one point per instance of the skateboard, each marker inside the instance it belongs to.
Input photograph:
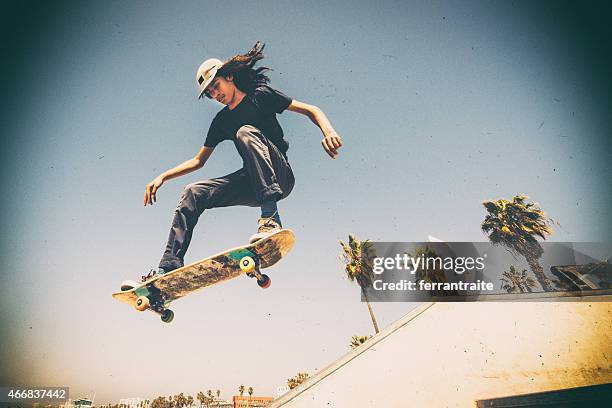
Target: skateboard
(157, 293)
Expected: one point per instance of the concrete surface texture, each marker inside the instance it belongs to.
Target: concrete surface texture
(454, 354)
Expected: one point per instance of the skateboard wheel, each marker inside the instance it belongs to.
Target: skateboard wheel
(142, 303)
(247, 264)
(167, 316)
(264, 282)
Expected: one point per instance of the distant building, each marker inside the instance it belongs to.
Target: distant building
(282, 390)
(82, 403)
(219, 403)
(251, 402)
(135, 402)
(591, 276)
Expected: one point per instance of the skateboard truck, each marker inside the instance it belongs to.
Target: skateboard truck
(143, 303)
(250, 266)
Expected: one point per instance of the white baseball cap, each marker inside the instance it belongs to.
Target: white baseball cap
(206, 73)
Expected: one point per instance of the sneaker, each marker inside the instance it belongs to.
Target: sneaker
(130, 284)
(267, 226)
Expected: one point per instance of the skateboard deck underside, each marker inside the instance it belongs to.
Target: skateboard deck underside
(210, 271)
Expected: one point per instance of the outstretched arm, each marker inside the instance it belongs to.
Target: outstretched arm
(186, 167)
(331, 140)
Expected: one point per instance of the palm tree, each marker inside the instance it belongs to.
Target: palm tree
(434, 274)
(514, 281)
(160, 402)
(516, 225)
(201, 397)
(250, 391)
(189, 401)
(241, 390)
(218, 396)
(209, 397)
(297, 380)
(357, 341)
(180, 400)
(358, 257)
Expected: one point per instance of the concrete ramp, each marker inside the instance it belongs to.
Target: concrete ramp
(454, 354)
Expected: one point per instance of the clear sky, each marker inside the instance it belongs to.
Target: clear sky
(441, 105)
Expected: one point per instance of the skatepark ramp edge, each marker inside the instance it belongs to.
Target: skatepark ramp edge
(453, 354)
(342, 361)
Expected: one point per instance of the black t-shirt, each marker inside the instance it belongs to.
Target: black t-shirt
(259, 109)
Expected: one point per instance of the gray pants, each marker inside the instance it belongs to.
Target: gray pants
(265, 175)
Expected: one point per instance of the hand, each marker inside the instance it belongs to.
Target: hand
(331, 143)
(151, 190)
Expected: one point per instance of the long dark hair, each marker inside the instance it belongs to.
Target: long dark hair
(246, 78)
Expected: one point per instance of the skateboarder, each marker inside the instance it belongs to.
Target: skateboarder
(249, 121)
